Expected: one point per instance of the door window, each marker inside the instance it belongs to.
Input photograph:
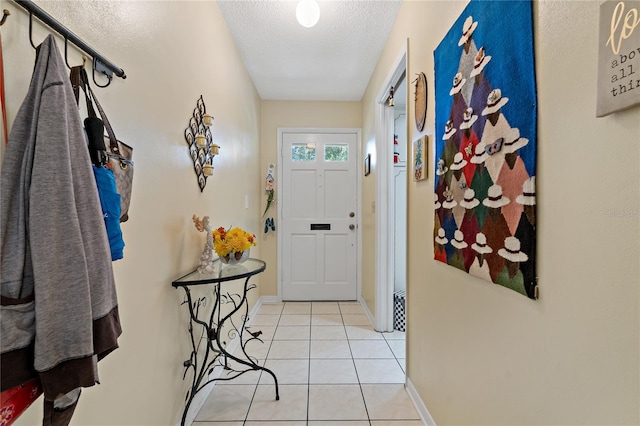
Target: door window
(303, 152)
(336, 152)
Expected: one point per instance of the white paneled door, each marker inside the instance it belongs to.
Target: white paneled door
(319, 217)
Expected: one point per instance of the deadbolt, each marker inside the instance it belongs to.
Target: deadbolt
(352, 214)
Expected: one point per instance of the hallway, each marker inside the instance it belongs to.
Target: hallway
(332, 368)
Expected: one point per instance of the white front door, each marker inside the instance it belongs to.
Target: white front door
(319, 216)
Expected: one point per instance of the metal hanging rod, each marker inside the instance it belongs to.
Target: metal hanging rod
(101, 63)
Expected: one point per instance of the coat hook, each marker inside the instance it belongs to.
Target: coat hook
(5, 14)
(30, 27)
(95, 62)
(66, 42)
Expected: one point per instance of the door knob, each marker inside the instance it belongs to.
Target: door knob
(352, 227)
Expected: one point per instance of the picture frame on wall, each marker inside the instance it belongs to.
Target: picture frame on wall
(367, 165)
(618, 56)
(420, 158)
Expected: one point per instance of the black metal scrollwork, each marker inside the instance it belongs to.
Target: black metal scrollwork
(202, 362)
(200, 155)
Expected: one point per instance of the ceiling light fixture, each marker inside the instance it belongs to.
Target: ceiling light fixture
(308, 13)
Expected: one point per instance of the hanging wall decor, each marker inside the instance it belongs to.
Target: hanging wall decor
(485, 202)
(420, 101)
(618, 56)
(200, 142)
(367, 164)
(420, 158)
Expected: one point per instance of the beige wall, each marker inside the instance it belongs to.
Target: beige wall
(276, 114)
(368, 212)
(481, 354)
(172, 52)
(477, 353)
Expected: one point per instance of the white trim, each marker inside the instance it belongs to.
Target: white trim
(279, 242)
(384, 151)
(269, 299)
(201, 397)
(423, 412)
(279, 212)
(366, 310)
(385, 208)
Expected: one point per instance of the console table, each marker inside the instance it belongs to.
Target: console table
(202, 361)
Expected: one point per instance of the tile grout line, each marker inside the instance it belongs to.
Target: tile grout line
(353, 361)
(266, 356)
(309, 365)
(403, 368)
(308, 356)
(343, 326)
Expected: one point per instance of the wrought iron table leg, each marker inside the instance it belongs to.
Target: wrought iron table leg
(212, 331)
(240, 331)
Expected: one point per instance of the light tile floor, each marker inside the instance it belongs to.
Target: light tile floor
(333, 369)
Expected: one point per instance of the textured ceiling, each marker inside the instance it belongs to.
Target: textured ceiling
(331, 61)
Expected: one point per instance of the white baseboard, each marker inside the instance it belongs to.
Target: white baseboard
(201, 397)
(367, 311)
(417, 402)
(424, 414)
(268, 299)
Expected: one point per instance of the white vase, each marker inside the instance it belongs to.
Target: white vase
(235, 258)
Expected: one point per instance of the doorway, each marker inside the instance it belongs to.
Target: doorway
(319, 210)
(399, 201)
(389, 212)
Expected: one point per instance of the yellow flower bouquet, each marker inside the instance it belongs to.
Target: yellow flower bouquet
(233, 246)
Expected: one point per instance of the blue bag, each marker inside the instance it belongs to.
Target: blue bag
(110, 203)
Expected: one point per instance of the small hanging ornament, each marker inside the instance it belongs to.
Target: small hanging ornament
(396, 150)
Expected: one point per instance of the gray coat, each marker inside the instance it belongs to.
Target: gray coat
(59, 305)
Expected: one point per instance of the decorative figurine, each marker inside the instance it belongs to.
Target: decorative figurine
(206, 258)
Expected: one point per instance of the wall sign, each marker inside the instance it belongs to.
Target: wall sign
(618, 56)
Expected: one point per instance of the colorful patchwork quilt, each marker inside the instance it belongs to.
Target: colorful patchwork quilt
(485, 191)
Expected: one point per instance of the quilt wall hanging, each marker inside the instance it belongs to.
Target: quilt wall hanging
(485, 196)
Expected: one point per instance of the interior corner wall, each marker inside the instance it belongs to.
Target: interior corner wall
(172, 52)
(479, 353)
(282, 114)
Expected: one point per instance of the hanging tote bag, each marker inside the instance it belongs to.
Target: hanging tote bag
(119, 162)
(119, 154)
(110, 199)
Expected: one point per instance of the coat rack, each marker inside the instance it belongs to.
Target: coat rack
(100, 63)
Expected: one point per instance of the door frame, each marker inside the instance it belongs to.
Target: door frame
(358, 132)
(385, 213)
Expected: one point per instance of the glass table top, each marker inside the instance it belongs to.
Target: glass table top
(222, 273)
